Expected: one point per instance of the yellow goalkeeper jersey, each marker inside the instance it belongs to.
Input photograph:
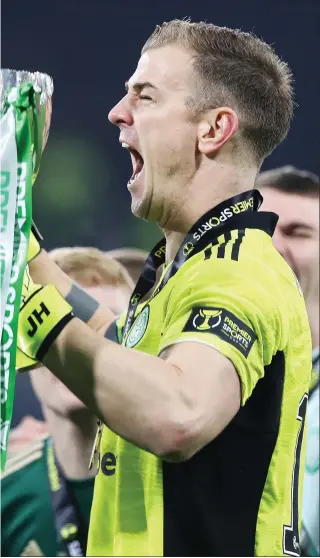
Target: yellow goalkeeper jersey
(241, 494)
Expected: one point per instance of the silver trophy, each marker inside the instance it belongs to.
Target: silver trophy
(10, 80)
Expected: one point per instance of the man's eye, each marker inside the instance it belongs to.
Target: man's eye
(300, 233)
(145, 98)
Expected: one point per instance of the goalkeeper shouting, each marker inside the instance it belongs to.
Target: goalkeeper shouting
(202, 386)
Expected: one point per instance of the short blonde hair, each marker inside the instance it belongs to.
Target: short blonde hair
(234, 69)
(91, 267)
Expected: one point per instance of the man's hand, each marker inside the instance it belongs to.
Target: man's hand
(44, 271)
(43, 315)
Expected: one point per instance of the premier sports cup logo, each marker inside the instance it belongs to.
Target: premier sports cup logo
(223, 324)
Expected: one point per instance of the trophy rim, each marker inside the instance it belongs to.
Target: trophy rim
(14, 78)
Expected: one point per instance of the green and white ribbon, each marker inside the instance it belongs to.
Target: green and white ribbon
(17, 152)
(8, 155)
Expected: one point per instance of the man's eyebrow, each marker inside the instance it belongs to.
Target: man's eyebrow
(139, 86)
(299, 224)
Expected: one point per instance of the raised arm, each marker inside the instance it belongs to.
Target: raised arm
(171, 406)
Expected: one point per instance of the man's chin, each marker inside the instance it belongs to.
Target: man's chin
(140, 207)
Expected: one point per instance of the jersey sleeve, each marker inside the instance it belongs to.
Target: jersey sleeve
(221, 305)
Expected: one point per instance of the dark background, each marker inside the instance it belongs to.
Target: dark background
(91, 48)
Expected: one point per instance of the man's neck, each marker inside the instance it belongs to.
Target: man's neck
(199, 197)
(173, 242)
(73, 440)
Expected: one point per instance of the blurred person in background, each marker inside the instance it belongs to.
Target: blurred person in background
(133, 260)
(47, 489)
(294, 195)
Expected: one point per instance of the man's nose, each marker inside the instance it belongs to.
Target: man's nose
(121, 113)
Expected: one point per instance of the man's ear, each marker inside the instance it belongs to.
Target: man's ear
(215, 129)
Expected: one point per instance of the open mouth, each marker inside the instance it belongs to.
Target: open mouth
(137, 163)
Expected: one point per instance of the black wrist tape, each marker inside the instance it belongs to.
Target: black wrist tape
(83, 305)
